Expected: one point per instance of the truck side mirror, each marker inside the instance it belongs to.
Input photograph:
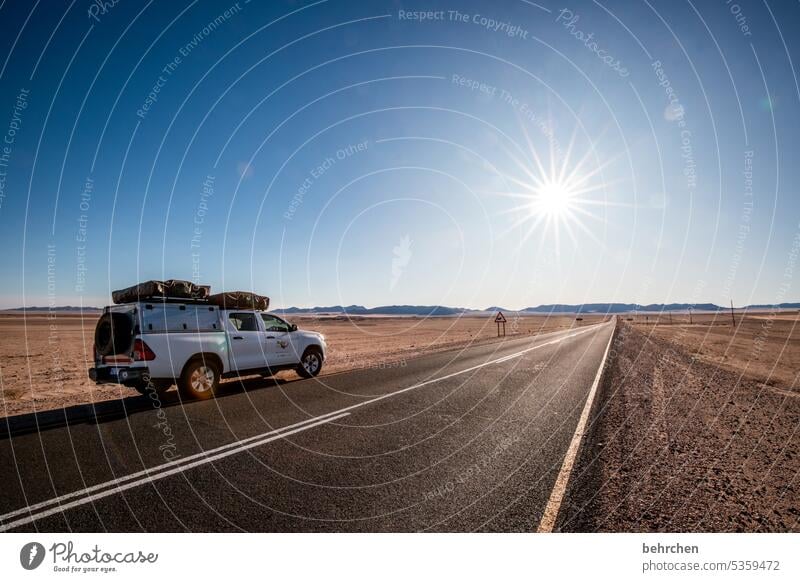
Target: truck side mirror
(293, 327)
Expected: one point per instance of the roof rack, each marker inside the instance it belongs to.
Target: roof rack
(186, 300)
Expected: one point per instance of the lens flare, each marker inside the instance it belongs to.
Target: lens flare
(557, 197)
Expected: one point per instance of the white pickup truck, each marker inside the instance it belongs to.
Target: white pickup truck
(151, 345)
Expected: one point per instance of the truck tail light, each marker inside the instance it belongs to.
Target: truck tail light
(142, 352)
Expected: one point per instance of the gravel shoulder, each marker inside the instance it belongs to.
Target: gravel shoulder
(678, 444)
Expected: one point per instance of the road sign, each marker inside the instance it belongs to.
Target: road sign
(500, 319)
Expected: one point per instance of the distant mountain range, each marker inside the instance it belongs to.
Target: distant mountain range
(429, 310)
(439, 310)
(621, 307)
(426, 310)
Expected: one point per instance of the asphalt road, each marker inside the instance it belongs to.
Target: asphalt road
(464, 440)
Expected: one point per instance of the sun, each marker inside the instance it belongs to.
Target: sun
(552, 199)
(557, 192)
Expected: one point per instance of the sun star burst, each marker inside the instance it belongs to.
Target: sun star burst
(557, 197)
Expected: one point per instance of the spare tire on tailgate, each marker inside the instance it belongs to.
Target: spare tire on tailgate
(113, 334)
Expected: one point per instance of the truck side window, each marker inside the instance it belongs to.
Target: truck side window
(272, 323)
(244, 321)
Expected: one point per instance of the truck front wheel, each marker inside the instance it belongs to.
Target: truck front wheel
(200, 379)
(310, 363)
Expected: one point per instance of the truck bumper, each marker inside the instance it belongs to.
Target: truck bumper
(124, 375)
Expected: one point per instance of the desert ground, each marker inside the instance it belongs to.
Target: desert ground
(763, 346)
(44, 359)
(697, 428)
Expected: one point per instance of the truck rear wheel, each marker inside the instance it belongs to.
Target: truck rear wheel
(200, 379)
(310, 363)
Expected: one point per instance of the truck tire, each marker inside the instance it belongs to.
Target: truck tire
(311, 362)
(200, 379)
(113, 334)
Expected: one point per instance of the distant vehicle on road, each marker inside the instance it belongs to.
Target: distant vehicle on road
(152, 344)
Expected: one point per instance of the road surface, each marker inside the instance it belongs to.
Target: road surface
(464, 440)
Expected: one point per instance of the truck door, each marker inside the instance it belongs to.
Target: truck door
(247, 352)
(278, 341)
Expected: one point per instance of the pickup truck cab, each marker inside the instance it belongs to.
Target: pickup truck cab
(150, 345)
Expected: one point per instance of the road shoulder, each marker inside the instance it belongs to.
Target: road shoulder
(680, 445)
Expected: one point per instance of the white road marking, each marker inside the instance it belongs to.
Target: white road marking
(157, 468)
(152, 474)
(559, 489)
(117, 486)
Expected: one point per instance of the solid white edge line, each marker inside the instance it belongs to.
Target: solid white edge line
(163, 474)
(560, 487)
(154, 472)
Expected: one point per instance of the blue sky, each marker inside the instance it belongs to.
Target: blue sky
(348, 152)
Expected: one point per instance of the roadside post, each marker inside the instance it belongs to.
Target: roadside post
(500, 319)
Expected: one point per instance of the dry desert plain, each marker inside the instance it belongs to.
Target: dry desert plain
(44, 357)
(697, 428)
